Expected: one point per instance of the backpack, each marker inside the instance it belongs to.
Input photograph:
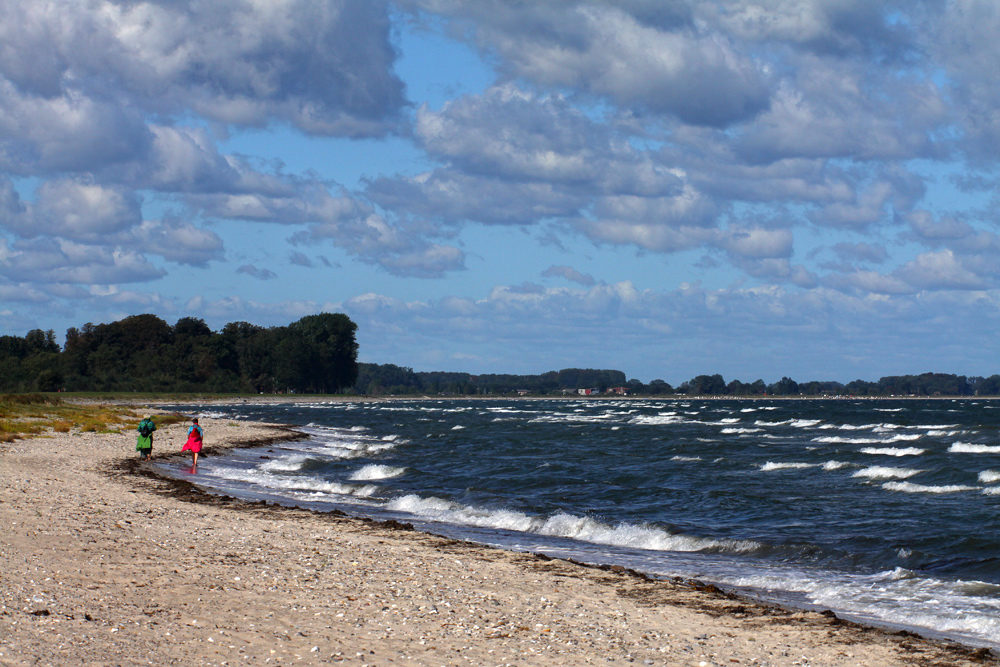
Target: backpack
(146, 428)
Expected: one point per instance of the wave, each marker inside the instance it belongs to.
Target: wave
(738, 431)
(585, 529)
(285, 464)
(655, 420)
(989, 476)
(375, 471)
(796, 423)
(310, 483)
(685, 458)
(893, 451)
(908, 487)
(841, 440)
(969, 448)
(884, 472)
(835, 465)
(785, 466)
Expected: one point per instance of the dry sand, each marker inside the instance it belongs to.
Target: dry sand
(104, 563)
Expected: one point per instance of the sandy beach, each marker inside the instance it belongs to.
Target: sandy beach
(102, 562)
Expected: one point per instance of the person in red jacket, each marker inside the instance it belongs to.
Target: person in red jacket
(193, 444)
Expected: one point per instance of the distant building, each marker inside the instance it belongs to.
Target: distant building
(621, 391)
(588, 392)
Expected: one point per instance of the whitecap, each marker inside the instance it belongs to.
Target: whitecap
(835, 465)
(893, 451)
(375, 471)
(908, 487)
(885, 472)
(635, 536)
(989, 476)
(970, 448)
(685, 458)
(285, 464)
(770, 465)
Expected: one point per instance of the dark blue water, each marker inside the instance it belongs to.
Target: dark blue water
(886, 510)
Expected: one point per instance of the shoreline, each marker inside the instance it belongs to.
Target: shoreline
(224, 577)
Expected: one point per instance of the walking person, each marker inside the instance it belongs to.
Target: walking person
(193, 444)
(144, 443)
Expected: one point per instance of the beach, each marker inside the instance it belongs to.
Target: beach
(103, 562)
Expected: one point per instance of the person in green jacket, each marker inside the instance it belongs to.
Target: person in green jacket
(144, 443)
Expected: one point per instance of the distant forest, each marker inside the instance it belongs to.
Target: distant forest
(318, 354)
(387, 379)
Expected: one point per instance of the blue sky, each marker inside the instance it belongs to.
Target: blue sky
(757, 189)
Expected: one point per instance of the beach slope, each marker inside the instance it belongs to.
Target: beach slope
(104, 563)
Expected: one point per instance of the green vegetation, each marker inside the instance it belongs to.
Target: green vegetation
(389, 379)
(142, 353)
(29, 415)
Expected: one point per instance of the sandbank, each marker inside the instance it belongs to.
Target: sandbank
(104, 562)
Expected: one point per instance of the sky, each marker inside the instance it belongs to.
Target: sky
(802, 188)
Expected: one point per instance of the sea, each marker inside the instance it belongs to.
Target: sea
(884, 511)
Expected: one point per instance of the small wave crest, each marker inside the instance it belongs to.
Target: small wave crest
(375, 471)
(770, 465)
(909, 487)
(989, 476)
(885, 472)
(585, 529)
(893, 451)
(970, 448)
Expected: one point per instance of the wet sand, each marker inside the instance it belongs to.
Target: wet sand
(103, 562)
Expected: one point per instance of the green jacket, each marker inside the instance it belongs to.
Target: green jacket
(145, 441)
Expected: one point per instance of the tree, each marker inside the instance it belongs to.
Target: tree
(328, 339)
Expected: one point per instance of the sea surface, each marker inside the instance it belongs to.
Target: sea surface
(885, 511)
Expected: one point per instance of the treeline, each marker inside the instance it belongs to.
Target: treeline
(925, 384)
(318, 353)
(392, 380)
(389, 379)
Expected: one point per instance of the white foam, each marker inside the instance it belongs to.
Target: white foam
(655, 420)
(566, 525)
(884, 472)
(784, 466)
(893, 451)
(459, 427)
(969, 448)
(989, 476)
(295, 483)
(685, 458)
(908, 487)
(285, 464)
(375, 471)
(738, 431)
(835, 465)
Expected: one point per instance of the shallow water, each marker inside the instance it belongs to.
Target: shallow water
(883, 510)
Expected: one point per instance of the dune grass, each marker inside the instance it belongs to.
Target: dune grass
(32, 415)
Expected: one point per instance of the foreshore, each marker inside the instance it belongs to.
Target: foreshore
(105, 562)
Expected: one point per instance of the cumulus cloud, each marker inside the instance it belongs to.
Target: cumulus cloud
(631, 53)
(256, 272)
(326, 68)
(61, 261)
